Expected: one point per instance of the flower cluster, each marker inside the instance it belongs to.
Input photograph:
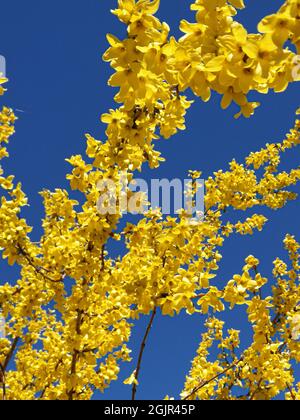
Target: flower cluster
(264, 370)
(69, 314)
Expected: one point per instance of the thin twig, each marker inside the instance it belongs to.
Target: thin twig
(76, 353)
(251, 397)
(5, 366)
(203, 384)
(103, 258)
(49, 384)
(3, 382)
(10, 354)
(141, 353)
(291, 392)
(39, 269)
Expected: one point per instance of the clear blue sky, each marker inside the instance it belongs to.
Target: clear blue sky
(53, 51)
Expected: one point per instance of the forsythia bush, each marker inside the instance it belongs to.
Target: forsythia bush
(69, 315)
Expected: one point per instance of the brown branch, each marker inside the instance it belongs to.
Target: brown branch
(2, 382)
(291, 392)
(38, 269)
(76, 353)
(49, 384)
(5, 366)
(251, 397)
(203, 384)
(10, 354)
(141, 353)
(103, 258)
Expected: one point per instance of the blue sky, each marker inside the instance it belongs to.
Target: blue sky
(53, 52)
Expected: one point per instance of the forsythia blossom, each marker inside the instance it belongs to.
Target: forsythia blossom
(70, 313)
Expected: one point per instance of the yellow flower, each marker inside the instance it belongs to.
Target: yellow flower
(280, 26)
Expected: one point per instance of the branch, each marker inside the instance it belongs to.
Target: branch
(49, 384)
(291, 392)
(10, 354)
(142, 349)
(251, 397)
(103, 258)
(76, 353)
(5, 365)
(203, 384)
(2, 382)
(38, 269)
